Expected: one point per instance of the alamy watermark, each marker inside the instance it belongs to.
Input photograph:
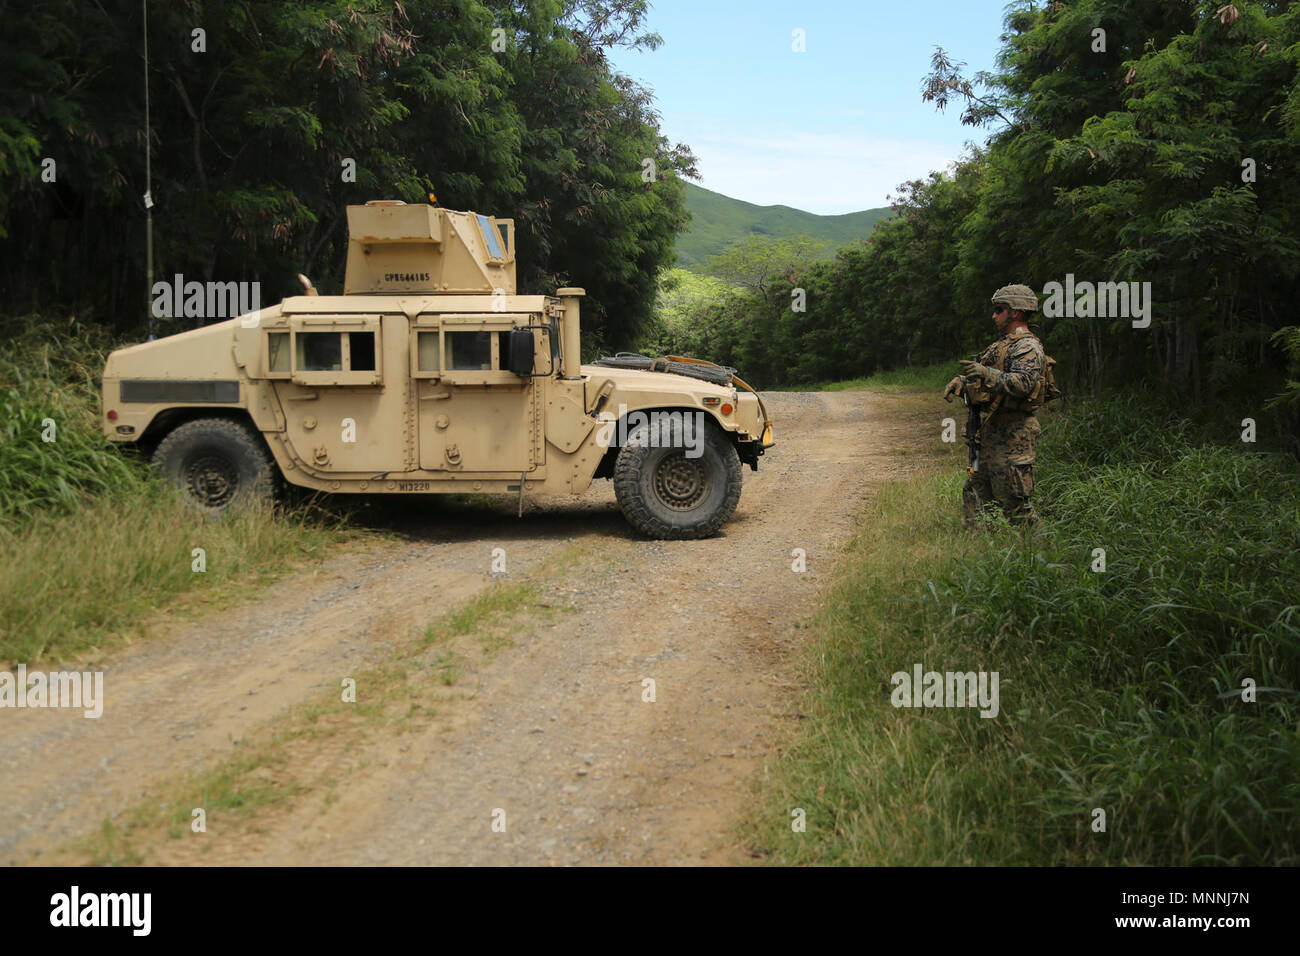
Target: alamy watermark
(205, 300)
(946, 689)
(83, 689)
(1101, 300)
(674, 429)
(129, 910)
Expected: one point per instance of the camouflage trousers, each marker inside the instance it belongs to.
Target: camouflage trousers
(1005, 478)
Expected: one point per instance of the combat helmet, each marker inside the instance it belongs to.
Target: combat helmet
(1017, 297)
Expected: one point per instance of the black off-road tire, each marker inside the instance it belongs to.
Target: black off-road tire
(220, 464)
(665, 494)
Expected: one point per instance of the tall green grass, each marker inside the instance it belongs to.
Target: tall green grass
(912, 378)
(82, 580)
(91, 542)
(1121, 690)
(52, 454)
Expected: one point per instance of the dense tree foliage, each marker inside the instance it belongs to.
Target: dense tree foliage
(1151, 141)
(783, 317)
(503, 106)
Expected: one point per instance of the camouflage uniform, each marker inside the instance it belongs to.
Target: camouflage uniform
(1008, 438)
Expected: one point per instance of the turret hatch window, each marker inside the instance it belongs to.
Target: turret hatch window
(491, 238)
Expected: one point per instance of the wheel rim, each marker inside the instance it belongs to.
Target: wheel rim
(680, 482)
(212, 479)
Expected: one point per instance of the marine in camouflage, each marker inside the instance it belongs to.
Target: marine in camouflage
(1009, 435)
(1008, 444)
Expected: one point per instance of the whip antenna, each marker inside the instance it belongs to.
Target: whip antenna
(148, 182)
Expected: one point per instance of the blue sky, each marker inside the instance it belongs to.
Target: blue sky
(831, 130)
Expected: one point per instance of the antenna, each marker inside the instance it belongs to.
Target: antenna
(148, 183)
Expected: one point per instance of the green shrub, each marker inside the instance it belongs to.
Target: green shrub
(1121, 689)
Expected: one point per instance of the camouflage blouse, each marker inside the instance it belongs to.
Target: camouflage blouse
(1022, 368)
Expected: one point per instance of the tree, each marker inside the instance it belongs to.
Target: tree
(1130, 164)
(292, 111)
(757, 262)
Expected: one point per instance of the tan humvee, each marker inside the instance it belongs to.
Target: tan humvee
(429, 374)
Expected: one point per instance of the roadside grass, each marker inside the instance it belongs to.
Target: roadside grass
(478, 611)
(913, 378)
(52, 455)
(83, 580)
(304, 751)
(252, 780)
(1120, 690)
(108, 850)
(91, 542)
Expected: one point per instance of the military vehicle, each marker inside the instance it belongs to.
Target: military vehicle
(429, 374)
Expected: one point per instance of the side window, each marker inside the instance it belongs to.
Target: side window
(331, 351)
(469, 351)
(319, 352)
(427, 351)
(361, 351)
(467, 348)
(555, 340)
(277, 354)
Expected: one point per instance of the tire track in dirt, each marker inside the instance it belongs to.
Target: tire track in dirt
(556, 733)
(196, 687)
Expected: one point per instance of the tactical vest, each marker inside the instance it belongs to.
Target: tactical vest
(1044, 389)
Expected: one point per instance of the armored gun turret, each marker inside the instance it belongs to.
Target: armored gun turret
(396, 248)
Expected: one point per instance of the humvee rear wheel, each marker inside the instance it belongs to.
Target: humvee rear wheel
(218, 463)
(667, 490)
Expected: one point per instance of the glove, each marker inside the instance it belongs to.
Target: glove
(974, 369)
(953, 389)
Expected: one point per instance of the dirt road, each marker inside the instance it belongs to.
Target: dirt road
(550, 736)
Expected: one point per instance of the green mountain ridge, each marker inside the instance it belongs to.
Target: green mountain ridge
(717, 220)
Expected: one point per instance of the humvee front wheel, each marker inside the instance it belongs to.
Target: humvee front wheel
(668, 487)
(218, 463)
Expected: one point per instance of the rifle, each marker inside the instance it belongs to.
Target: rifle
(972, 430)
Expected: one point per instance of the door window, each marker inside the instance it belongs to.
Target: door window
(470, 350)
(466, 348)
(343, 350)
(319, 352)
